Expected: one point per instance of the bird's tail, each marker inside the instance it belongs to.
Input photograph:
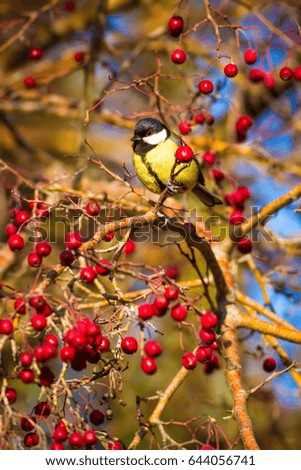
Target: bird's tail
(207, 198)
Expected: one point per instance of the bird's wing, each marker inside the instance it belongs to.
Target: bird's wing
(175, 138)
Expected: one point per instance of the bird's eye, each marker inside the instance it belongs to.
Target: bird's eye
(148, 133)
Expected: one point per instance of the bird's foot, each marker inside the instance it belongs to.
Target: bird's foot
(174, 188)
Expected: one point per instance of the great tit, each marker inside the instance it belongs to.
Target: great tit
(154, 147)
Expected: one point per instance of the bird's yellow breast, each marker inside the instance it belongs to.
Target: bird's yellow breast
(154, 168)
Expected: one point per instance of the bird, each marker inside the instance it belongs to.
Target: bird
(154, 147)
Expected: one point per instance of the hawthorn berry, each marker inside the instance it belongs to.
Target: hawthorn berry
(52, 339)
(11, 229)
(6, 326)
(93, 208)
(30, 82)
(15, 242)
(175, 26)
(115, 445)
(11, 395)
(256, 75)
(178, 56)
(199, 118)
(73, 240)
(184, 127)
(35, 53)
(26, 376)
(28, 424)
(38, 302)
(104, 345)
(207, 336)
(209, 320)
(34, 260)
(203, 354)
(250, 56)
(269, 80)
(79, 56)
(207, 447)
(38, 322)
(96, 417)
(189, 361)
(153, 348)
(31, 439)
(218, 175)
(236, 217)
(206, 87)
(75, 440)
(66, 258)
(46, 377)
(26, 359)
(269, 364)
(129, 247)
(184, 153)
(89, 437)
(171, 293)
(297, 73)
(286, 73)
(209, 158)
(231, 70)
(172, 272)
(212, 364)
(243, 123)
(57, 446)
(244, 245)
(145, 311)
(179, 313)
(60, 433)
(148, 365)
(103, 267)
(88, 274)
(43, 248)
(42, 409)
(69, 6)
(209, 119)
(161, 302)
(129, 345)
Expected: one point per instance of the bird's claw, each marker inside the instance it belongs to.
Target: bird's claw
(173, 188)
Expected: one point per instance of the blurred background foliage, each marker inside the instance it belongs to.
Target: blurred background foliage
(43, 139)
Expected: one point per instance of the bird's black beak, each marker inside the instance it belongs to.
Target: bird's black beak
(134, 138)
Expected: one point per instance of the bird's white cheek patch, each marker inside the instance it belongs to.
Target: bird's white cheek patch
(155, 139)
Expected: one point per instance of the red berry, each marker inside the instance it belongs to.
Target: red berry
(129, 247)
(250, 56)
(256, 75)
(200, 118)
(46, 311)
(43, 248)
(30, 82)
(184, 153)
(28, 424)
(209, 320)
(88, 274)
(67, 353)
(34, 260)
(171, 293)
(19, 306)
(203, 354)
(184, 127)
(32, 439)
(243, 123)
(179, 313)
(69, 6)
(269, 364)
(66, 258)
(286, 73)
(38, 302)
(26, 359)
(269, 80)
(231, 70)
(60, 433)
(209, 158)
(297, 73)
(145, 311)
(42, 409)
(11, 395)
(6, 326)
(218, 175)
(35, 53)
(207, 336)
(93, 208)
(236, 217)
(244, 245)
(103, 267)
(209, 120)
(27, 376)
(129, 345)
(148, 365)
(189, 361)
(73, 240)
(153, 348)
(206, 86)
(104, 345)
(38, 322)
(207, 447)
(75, 440)
(11, 229)
(172, 272)
(178, 56)
(42, 210)
(175, 26)
(161, 302)
(79, 56)
(15, 242)
(243, 192)
(57, 446)
(115, 445)
(97, 417)
(89, 437)
(46, 377)
(212, 364)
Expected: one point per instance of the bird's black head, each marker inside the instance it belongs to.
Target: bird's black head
(150, 131)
